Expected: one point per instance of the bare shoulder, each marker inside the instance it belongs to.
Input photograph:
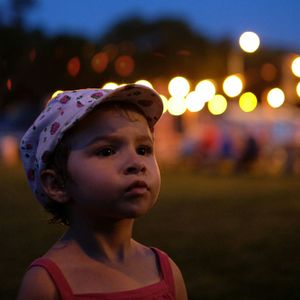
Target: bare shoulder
(37, 285)
(180, 289)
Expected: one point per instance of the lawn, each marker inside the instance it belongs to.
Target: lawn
(234, 237)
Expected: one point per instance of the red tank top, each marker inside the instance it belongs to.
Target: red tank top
(162, 290)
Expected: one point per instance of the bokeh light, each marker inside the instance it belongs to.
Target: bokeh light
(110, 85)
(298, 89)
(268, 72)
(249, 41)
(165, 102)
(111, 50)
(248, 102)
(73, 66)
(275, 97)
(9, 150)
(194, 102)
(296, 66)
(206, 89)
(233, 85)
(99, 62)
(176, 106)
(217, 105)
(145, 83)
(124, 65)
(56, 93)
(179, 87)
(9, 84)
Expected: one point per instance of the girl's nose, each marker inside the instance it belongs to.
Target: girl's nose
(135, 167)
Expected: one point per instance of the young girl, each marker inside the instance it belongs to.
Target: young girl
(90, 162)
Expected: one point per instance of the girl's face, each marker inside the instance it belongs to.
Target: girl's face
(113, 169)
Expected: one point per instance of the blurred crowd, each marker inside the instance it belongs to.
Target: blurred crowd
(257, 143)
(231, 145)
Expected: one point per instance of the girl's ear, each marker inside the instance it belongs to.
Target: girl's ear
(53, 186)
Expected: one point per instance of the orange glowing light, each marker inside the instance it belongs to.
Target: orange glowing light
(9, 150)
(124, 65)
(99, 62)
(73, 66)
(268, 72)
(9, 84)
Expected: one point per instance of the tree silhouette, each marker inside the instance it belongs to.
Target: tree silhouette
(168, 47)
(17, 10)
(36, 65)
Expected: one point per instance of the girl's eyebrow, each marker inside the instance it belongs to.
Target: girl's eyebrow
(112, 138)
(101, 138)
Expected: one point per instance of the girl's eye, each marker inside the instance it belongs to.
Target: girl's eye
(107, 151)
(144, 150)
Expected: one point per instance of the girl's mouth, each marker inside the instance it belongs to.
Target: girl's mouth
(138, 187)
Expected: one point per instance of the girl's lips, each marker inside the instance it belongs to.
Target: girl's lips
(137, 187)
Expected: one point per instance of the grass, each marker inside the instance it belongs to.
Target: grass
(234, 237)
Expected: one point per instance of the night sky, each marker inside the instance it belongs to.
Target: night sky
(277, 22)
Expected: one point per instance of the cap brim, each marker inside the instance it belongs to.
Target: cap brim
(148, 100)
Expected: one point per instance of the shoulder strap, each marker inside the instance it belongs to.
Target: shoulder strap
(166, 269)
(56, 275)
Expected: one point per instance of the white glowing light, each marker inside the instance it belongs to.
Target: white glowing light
(217, 105)
(179, 87)
(233, 85)
(275, 97)
(176, 106)
(194, 102)
(145, 83)
(165, 102)
(296, 66)
(110, 85)
(249, 41)
(206, 89)
(298, 89)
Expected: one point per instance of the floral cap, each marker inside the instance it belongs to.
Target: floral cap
(64, 111)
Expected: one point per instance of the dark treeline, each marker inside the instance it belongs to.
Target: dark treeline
(38, 64)
(34, 65)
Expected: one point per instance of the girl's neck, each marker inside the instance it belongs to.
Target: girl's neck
(108, 241)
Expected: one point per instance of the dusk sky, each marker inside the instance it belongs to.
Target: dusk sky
(277, 22)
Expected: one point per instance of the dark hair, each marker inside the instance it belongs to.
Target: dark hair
(59, 158)
(58, 163)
